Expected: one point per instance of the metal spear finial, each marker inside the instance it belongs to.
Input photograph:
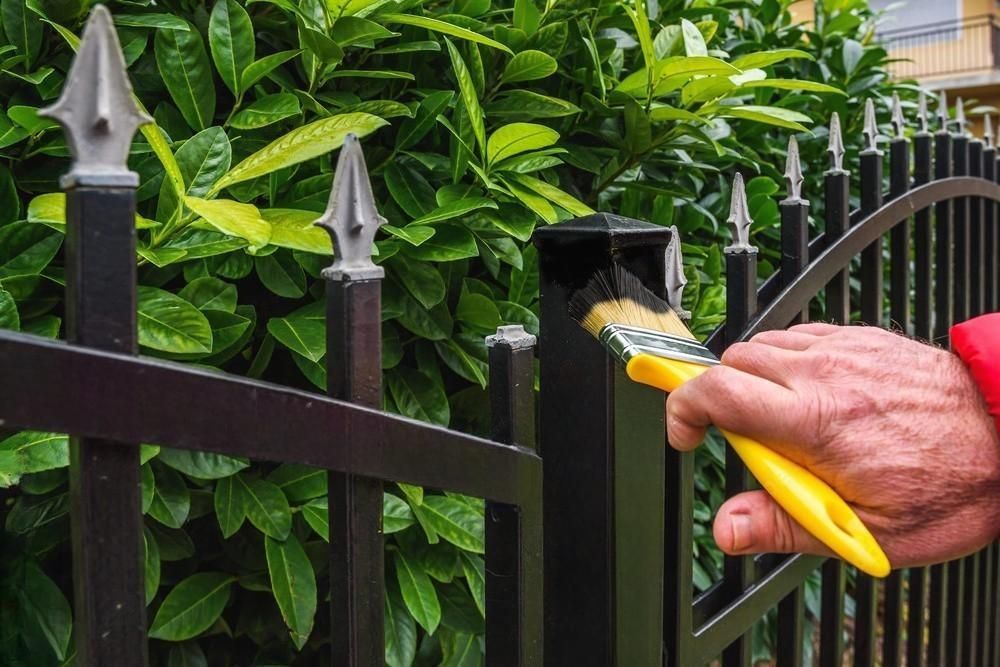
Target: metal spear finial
(97, 110)
(675, 278)
(988, 130)
(898, 120)
(870, 131)
(739, 218)
(922, 113)
(793, 171)
(960, 116)
(351, 217)
(836, 146)
(942, 112)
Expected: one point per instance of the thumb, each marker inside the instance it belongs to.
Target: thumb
(751, 523)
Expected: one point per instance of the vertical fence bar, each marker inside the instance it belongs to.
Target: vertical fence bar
(831, 629)
(99, 117)
(938, 619)
(836, 182)
(354, 373)
(513, 534)
(917, 605)
(922, 234)
(989, 220)
(985, 606)
(976, 235)
(899, 237)
(791, 613)
(943, 269)
(866, 588)
(741, 305)
(892, 625)
(970, 610)
(872, 293)
(960, 223)
(954, 608)
(604, 549)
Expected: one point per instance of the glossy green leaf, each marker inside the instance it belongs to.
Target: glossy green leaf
(160, 21)
(529, 66)
(418, 396)
(171, 498)
(396, 514)
(418, 593)
(23, 29)
(456, 209)
(233, 218)
(294, 585)
(230, 505)
(192, 606)
(530, 105)
(767, 58)
(299, 482)
(794, 84)
(443, 27)
(294, 229)
(450, 242)
(420, 279)
(9, 317)
(34, 451)
(778, 116)
(210, 294)
(280, 273)
(266, 507)
(412, 234)
(168, 323)
(456, 522)
(183, 64)
(45, 613)
(26, 249)
(410, 190)
(266, 111)
(469, 95)
(303, 143)
(231, 40)
(317, 514)
(265, 66)
(553, 194)
(203, 465)
(517, 138)
(303, 331)
(414, 129)
(680, 69)
(187, 654)
(478, 311)
(400, 632)
(151, 564)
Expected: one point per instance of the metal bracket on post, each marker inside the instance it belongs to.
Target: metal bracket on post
(354, 373)
(100, 117)
(602, 440)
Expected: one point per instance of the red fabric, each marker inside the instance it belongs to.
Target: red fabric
(977, 343)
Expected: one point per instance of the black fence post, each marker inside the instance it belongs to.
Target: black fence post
(836, 195)
(741, 306)
(923, 253)
(99, 116)
(943, 269)
(899, 237)
(354, 373)
(960, 225)
(514, 581)
(603, 446)
(989, 220)
(977, 238)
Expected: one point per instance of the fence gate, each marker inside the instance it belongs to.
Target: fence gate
(618, 503)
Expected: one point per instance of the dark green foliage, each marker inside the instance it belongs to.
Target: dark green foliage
(480, 120)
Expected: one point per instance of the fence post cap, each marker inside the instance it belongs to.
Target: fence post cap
(942, 112)
(960, 117)
(674, 275)
(739, 219)
(870, 131)
(351, 217)
(512, 336)
(605, 229)
(898, 119)
(835, 146)
(988, 130)
(97, 110)
(793, 173)
(922, 114)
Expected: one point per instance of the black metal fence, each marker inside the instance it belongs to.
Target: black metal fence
(969, 45)
(618, 503)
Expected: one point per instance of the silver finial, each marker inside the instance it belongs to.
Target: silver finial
(988, 130)
(922, 113)
(898, 120)
(836, 146)
(960, 116)
(351, 217)
(942, 112)
(739, 218)
(511, 335)
(97, 110)
(675, 278)
(793, 171)
(870, 131)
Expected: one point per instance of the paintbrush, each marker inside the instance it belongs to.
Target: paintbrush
(642, 331)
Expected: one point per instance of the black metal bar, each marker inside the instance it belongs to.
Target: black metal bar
(838, 210)
(970, 610)
(741, 305)
(922, 242)
(917, 607)
(943, 268)
(794, 244)
(791, 618)
(937, 649)
(604, 549)
(872, 292)
(892, 623)
(899, 237)
(865, 619)
(989, 235)
(985, 604)
(831, 630)
(513, 534)
(976, 235)
(955, 624)
(110, 607)
(354, 373)
(207, 411)
(960, 231)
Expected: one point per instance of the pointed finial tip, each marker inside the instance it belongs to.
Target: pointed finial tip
(351, 217)
(960, 120)
(835, 147)
(922, 113)
(898, 119)
(870, 131)
(674, 274)
(739, 218)
(793, 171)
(988, 129)
(942, 112)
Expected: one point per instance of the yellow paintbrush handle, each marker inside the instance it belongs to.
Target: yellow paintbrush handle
(807, 499)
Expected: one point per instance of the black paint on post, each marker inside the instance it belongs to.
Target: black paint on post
(976, 235)
(943, 269)
(899, 237)
(937, 649)
(917, 609)
(970, 610)
(603, 445)
(923, 262)
(989, 235)
(838, 211)
(960, 231)
(791, 614)
(105, 487)
(954, 629)
(871, 257)
(354, 373)
(831, 645)
(794, 244)
(513, 534)
(892, 624)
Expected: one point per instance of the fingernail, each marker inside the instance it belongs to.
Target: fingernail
(742, 531)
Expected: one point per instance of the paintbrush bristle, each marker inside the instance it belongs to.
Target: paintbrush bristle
(616, 296)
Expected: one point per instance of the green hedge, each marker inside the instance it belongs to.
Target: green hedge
(480, 120)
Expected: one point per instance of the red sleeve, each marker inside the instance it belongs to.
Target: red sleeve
(977, 343)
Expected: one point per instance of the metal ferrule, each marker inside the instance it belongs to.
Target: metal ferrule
(627, 342)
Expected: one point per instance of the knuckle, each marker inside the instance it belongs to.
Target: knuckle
(784, 532)
(742, 355)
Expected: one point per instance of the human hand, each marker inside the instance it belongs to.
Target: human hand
(898, 428)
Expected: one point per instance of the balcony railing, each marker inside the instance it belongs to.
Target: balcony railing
(966, 46)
